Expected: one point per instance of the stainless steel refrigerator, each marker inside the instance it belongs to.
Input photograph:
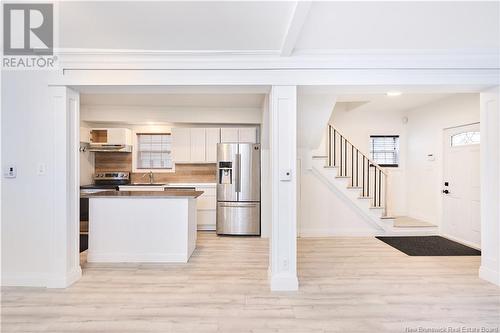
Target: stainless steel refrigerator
(238, 189)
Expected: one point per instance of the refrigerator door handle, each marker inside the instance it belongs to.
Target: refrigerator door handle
(238, 173)
(238, 205)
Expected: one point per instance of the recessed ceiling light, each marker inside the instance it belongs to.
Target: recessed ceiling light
(394, 93)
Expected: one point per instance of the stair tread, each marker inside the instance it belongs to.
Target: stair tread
(320, 156)
(355, 187)
(365, 197)
(342, 177)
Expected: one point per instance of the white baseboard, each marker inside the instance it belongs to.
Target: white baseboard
(489, 275)
(65, 280)
(137, 258)
(329, 232)
(461, 241)
(206, 227)
(24, 280)
(284, 282)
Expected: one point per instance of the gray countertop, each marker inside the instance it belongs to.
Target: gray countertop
(142, 194)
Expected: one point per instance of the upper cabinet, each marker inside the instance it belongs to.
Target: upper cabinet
(85, 134)
(212, 138)
(199, 145)
(109, 136)
(195, 145)
(239, 135)
(181, 145)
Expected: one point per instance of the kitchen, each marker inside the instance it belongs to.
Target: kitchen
(149, 184)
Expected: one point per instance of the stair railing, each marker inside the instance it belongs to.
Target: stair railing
(363, 172)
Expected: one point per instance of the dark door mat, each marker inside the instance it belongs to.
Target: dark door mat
(84, 242)
(429, 246)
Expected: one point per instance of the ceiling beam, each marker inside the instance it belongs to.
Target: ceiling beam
(292, 33)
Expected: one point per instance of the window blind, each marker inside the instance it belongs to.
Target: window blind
(385, 149)
(154, 151)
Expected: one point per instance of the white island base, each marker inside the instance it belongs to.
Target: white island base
(141, 229)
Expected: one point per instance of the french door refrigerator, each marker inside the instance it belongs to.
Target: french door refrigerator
(238, 189)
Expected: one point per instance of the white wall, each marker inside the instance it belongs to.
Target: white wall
(27, 201)
(145, 114)
(425, 136)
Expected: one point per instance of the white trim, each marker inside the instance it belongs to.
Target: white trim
(299, 17)
(64, 281)
(284, 282)
(461, 241)
(476, 80)
(489, 275)
(145, 257)
(271, 59)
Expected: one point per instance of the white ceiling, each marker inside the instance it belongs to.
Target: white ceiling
(401, 25)
(382, 102)
(268, 26)
(174, 25)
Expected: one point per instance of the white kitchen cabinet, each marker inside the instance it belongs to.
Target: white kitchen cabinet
(195, 145)
(119, 136)
(238, 135)
(229, 135)
(206, 204)
(212, 138)
(198, 145)
(181, 145)
(110, 136)
(247, 135)
(85, 134)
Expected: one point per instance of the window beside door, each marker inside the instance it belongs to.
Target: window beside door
(465, 138)
(384, 150)
(154, 151)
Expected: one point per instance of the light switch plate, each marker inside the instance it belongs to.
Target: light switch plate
(41, 169)
(10, 171)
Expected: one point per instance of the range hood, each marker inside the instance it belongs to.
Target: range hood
(109, 148)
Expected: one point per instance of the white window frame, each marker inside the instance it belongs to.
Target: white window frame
(135, 154)
(398, 153)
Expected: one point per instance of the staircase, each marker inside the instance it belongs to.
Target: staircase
(361, 182)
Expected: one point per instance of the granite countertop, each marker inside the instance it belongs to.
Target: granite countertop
(141, 194)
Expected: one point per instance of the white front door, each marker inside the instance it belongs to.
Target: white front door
(461, 186)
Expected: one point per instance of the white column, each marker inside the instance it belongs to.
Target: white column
(283, 156)
(64, 253)
(490, 186)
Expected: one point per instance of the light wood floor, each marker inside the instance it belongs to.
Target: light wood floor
(346, 285)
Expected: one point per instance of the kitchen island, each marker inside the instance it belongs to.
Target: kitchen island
(142, 226)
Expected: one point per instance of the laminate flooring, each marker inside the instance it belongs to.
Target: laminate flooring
(346, 285)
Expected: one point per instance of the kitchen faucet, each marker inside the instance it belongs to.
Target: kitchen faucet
(151, 176)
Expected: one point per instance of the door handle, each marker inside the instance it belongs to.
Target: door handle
(238, 172)
(446, 191)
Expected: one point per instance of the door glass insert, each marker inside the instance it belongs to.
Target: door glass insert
(465, 138)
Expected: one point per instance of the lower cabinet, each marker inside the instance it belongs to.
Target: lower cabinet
(206, 207)
(206, 204)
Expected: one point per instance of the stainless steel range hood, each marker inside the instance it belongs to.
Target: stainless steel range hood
(108, 148)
